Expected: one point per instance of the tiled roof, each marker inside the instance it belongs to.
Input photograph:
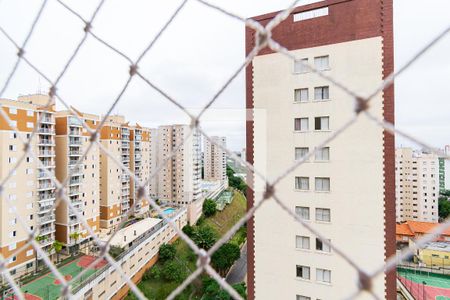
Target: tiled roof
(414, 227)
(403, 229)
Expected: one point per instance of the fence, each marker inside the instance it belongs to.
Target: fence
(263, 39)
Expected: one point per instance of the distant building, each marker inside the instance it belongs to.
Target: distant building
(444, 170)
(417, 185)
(179, 178)
(215, 159)
(436, 254)
(413, 230)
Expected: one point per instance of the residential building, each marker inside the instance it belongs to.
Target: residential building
(215, 159)
(417, 185)
(29, 195)
(179, 178)
(414, 230)
(140, 165)
(81, 175)
(153, 163)
(115, 182)
(444, 170)
(346, 190)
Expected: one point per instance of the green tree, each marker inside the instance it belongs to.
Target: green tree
(167, 252)
(115, 251)
(213, 291)
(209, 207)
(205, 237)
(57, 246)
(39, 238)
(173, 271)
(446, 193)
(225, 257)
(188, 230)
(444, 207)
(75, 235)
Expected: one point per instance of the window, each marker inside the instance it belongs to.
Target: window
(322, 63)
(322, 123)
(301, 95)
(302, 183)
(12, 246)
(301, 124)
(322, 154)
(30, 124)
(30, 113)
(311, 14)
(302, 242)
(323, 275)
(301, 152)
(29, 252)
(13, 124)
(303, 272)
(300, 66)
(323, 214)
(322, 184)
(12, 135)
(303, 212)
(321, 93)
(320, 246)
(302, 298)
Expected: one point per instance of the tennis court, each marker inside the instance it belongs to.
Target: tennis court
(48, 287)
(425, 285)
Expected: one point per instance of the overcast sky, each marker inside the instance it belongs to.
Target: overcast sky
(196, 55)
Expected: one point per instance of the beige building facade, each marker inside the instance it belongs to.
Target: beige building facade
(29, 195)
(344, 191)
(215, 159)
(82, 175)
(179, 178)
(417, 185)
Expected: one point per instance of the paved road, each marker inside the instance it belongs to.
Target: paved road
(239, 269)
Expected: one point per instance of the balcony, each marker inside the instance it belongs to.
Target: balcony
(47, 131)
(76, 170)
(46, 196)
(75, 181)
(45, 186)
(75, 142)
(45, 208)
(75, 153)
(45, 142)
(73, 121)
(46, 242)
(125, 145)
(46, 119)
(73, 221)
(46, 153)
(138, 157)
(73, 162)
(74, 191)
(46, 219)
(75, 132)
(48, 163)
(125, 177)
(42, 175)
(46, 230)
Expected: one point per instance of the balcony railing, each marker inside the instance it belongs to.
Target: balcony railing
(73, 142)
(46, 186)
(46, 219)
(46, 230)
(73, 221)
(46, 119)
(46, 153)
(75, 152)
(74, 181)
(48, 196)
(75, 132)
(44, 130)
(74, 122)
(45, 142)
(75, 171)
(47, 163)
(45, 208)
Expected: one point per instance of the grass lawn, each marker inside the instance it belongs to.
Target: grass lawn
(221, 222)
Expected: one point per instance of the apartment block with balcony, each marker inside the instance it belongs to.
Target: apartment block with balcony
(346, 189)
(115, 187)
(179, 179)
(215, 160)
(153, 163)
(140, 164)
(417, 185)
(82, 175)
(30, 190)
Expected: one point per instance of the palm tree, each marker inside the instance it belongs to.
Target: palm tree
(39, 239)
(57, 246)
(75, 235)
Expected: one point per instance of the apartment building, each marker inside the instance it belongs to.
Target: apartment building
(29, 195)
(115, 182)
(346, 189)
(140, 165)
(417, 185)
(82, 176)
(153, 163)
(215, 159)
(179, 178)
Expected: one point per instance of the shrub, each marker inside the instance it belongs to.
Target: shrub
(209, 207)
(188, 230)
(173, 271)
(167, 252)
(225, 256)
(205, 237)
(155, 272)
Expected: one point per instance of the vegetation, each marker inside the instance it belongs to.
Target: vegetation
(444, 207)
(209, 207)
(235, 181)
(115, 251)
(445, 193)
(175, 265)
(167, 252)
(224, 257)
(57, 246)
(75, 236)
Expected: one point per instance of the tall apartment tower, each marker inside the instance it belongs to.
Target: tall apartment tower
(140, 165)
(346, 190)
(215, 159)
(417, 185)
(153, 163)
(83, 180)
(179, 179)
(115, 186)
(30, 190)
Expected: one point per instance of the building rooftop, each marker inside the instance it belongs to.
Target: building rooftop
(128, 234)
(412, 228)
(438, 246)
